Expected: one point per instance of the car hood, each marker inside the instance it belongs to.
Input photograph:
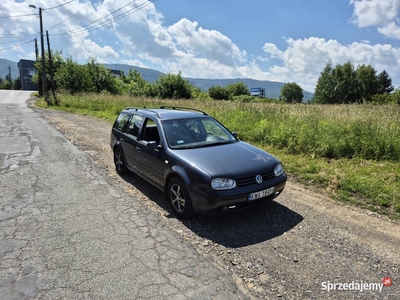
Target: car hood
(236, 160)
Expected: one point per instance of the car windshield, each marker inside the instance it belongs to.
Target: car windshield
(196, 133)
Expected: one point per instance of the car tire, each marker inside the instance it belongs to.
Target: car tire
(119, 162)
(179, 197)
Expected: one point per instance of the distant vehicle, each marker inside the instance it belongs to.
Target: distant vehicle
(201, 166)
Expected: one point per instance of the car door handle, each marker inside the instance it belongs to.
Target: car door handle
(138, 149)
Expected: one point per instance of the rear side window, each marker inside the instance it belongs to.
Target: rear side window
(135, 123)
(121, 121)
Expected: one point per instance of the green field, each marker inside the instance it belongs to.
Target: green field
(351, 152)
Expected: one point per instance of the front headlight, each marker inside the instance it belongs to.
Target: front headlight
(223, 184)
(278, 170)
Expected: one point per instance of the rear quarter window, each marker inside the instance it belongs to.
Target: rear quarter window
(121, 121)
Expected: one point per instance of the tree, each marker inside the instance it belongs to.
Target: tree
(325, 89)
(346, 88)
(237, 89)
(17, 84)
(73, 77)
(137, 86)
(218, 93)
(368, 83)
(385, 83)
(292, 93)
(344, 84)
(101, 78)
(173, 86)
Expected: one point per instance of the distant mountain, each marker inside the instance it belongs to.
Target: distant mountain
(149, 75)
(4, 70)
(272, 89)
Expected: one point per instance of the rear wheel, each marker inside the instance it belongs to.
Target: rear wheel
(178, 196)
(119, 162)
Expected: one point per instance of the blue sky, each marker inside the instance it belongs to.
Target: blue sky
(277, 40)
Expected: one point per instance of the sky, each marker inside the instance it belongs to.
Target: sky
(275, 40)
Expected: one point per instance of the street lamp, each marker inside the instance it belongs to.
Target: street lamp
(43, 59)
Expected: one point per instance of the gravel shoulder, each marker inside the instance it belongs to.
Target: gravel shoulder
(289, 249)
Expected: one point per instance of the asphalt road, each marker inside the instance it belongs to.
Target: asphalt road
(66, 232)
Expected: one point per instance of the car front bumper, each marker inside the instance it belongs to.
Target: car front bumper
(207, 201)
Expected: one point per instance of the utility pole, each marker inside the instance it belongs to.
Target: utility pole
(36, 49)
(51, 67)
(43, 58)
(40, 81)
(9, 74)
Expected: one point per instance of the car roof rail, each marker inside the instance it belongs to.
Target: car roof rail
(147, 109)
(183, 108)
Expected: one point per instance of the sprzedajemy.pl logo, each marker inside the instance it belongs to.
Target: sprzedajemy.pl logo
(356, 285)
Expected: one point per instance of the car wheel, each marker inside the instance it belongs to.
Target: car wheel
(119, 162)
(178, 196)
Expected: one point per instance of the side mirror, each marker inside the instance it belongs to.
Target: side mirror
(235, 134)
(152, 145)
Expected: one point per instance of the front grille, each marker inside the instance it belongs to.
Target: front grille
(252, 179)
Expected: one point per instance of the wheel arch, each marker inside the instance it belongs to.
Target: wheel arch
(181, 174)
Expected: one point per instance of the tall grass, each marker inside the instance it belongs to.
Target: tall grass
(330, 131)
(351, 150)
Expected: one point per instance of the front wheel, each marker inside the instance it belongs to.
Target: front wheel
(119, 162)
(178, 196)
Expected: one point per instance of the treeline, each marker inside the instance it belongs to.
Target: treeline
(345, 84)
(8, 84)
(67, 75)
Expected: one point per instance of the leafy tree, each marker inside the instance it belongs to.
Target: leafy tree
(385, 83)
(325, 89)
(346, 89)
(101, 78)
(57, 61)
(218, 93)
(73, 77)
(396, 96)
(344, 84)
(237, 89)
(368, 83)
(173, 86)
(17, 84)
(137, 86)
(292, 92)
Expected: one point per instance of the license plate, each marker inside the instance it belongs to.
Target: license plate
(261, 194)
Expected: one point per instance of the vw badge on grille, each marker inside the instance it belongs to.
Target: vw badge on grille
(259, 179)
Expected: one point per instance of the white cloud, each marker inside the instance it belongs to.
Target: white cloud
(133, 62)
(390, 30)
(303, 60)
(382, 14)
(374, 12)
(208, 44)
(273, 51)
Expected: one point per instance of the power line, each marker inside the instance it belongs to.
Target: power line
(15, 46)
(9, 42)
(87, 4)
(6, 17)
(58, 5)
(89, 27)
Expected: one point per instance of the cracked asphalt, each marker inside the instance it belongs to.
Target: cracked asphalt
(67, 233)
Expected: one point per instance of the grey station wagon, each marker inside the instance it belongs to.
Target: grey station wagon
(201, 166)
